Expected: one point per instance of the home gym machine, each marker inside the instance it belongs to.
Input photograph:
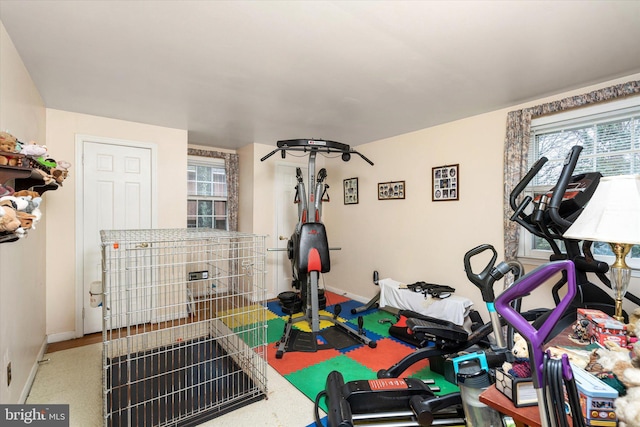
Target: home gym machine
(308, 247)
(552, 214)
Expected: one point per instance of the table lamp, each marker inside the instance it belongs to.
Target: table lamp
(613, 216)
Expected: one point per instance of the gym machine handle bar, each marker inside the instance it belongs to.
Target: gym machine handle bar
(563, 182)
(318, 145)
(485, 279)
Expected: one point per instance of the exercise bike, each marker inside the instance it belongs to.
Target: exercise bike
(552, 214)
(308, 248)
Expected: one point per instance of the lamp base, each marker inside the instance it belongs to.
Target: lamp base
(618, 313)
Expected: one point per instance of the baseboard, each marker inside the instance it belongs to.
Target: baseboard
(350, 295)
(34, 370)
(62, 336)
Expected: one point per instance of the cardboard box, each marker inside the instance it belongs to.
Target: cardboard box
(519, 390)
(609, 326)
(599, 338)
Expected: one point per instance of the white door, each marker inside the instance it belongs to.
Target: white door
(116, 196)
(286, 220)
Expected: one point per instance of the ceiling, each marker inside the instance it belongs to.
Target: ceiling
(238, 72)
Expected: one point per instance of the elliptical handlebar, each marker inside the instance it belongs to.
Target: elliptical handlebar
(524, 182)
(561, 187)
(318, 145)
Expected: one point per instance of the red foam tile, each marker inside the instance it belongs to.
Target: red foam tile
(333, 298)
(296, 360)
(386, 354)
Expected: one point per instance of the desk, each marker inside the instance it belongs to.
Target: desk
(528, 415)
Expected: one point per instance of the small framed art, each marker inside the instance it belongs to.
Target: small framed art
(350, 187)
(391, 190)
(446, 183)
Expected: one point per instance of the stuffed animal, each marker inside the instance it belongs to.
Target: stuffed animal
(634, 317)
(5, 190)
(520, 367)
(628, 406)
(60, 171)
(8, 217)
(23, 193)
(26, 220)
(33, 203)
(8, 144)
(18, 203)
(33, 149)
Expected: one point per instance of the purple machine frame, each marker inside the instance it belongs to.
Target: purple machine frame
(536, 337)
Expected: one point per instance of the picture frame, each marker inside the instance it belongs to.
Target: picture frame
(445, 183)
(392, 190)
(350, 189)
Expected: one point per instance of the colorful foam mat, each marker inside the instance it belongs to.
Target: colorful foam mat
(308, 371)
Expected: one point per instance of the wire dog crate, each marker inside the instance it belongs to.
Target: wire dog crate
(184, 325)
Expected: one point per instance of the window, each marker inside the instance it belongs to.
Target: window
(610, 137)
(207, 193)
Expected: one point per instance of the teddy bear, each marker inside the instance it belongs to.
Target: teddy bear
(520, 367)
(8, 144)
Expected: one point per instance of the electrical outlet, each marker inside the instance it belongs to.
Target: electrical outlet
(198, 275)
(8, 374)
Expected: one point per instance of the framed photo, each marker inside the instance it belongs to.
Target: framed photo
(446, 183)
(391, 190)
(350, 187)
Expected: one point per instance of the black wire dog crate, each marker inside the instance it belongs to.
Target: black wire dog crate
(184, 325)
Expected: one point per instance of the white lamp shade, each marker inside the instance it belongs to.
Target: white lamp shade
(613, 213)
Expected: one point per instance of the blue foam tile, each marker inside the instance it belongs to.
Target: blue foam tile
(276, 308)
(347, 306)
(324, 421)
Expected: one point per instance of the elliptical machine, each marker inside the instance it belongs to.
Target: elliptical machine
(553, 213)
(308, 247)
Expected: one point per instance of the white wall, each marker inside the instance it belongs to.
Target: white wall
(23, 265)
(62, 128)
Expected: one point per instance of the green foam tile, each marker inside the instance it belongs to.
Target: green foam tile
(371, 322)
(445, 386)
(275, 329)
(312, 380)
